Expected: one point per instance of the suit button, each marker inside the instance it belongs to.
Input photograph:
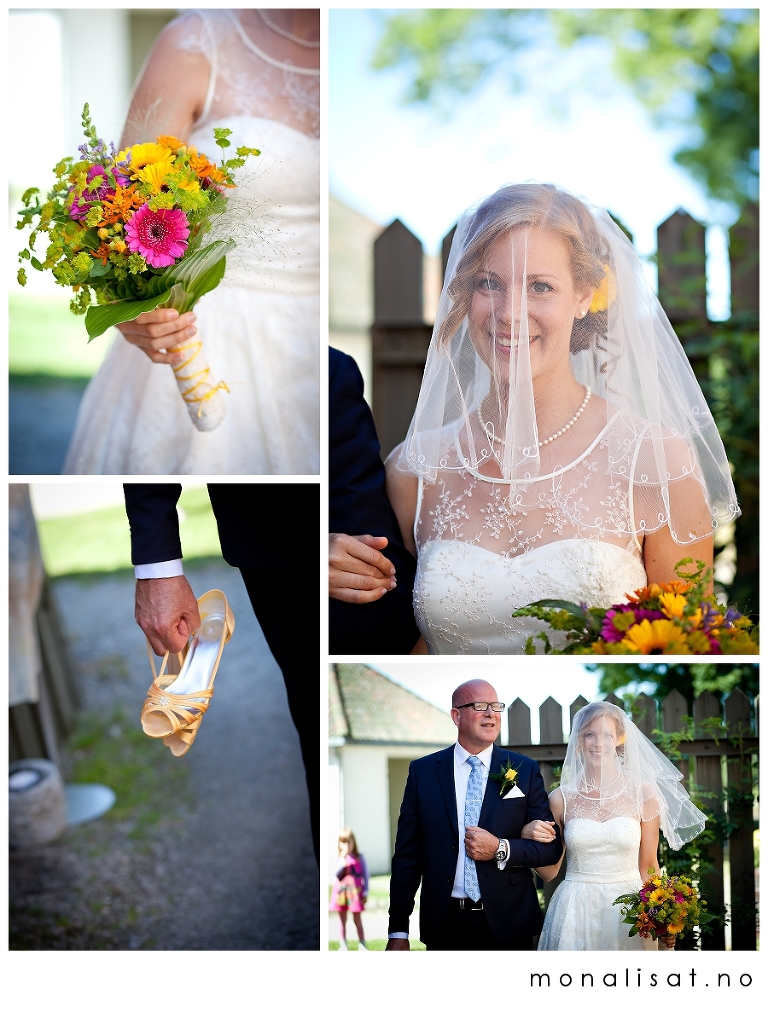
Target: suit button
(449, 880)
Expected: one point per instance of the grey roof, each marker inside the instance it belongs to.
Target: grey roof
(366, 706)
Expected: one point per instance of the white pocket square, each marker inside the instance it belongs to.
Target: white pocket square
(514, 793)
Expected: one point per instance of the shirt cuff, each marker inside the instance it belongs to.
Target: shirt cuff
(398, 934)
(501, 865)
(159, 570)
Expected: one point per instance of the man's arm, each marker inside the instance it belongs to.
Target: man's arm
(529, 853)
(166, 608)
(406, 864)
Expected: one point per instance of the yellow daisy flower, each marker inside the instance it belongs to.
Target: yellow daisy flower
(155, 174)
(146, 154)
(658, 637)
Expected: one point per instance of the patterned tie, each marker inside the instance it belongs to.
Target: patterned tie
(472, 805)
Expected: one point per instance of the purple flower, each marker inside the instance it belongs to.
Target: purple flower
(611, 634)
(91, 195)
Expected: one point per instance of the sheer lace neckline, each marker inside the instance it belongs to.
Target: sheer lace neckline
(279, 64)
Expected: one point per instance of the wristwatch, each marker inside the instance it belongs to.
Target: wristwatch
(503, 852)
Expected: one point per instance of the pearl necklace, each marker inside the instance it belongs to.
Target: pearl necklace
(287, 35)
(497, 439)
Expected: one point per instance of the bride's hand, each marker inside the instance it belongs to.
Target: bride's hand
(357, 571)
(541, 832)
(162, 328)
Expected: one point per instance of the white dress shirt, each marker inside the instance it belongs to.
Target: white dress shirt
(159, 570)
(461, 772)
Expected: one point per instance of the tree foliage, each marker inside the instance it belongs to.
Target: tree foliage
(690, 680)
(694, 66)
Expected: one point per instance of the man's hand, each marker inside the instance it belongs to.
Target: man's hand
(479, 844)
(357, 571)
(166, 609)
(398, 945)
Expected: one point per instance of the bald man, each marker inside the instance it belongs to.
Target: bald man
(459, 836)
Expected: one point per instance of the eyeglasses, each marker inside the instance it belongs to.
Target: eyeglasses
(483, 707)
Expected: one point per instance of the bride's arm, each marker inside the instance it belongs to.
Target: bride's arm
(168, 99)
(550, 871)
(690, 512)
(402, 491)
(648, 859)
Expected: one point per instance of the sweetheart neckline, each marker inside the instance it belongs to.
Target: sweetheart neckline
(264, 119)
(538, 548)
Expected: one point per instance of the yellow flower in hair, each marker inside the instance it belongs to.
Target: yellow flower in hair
(605, 292)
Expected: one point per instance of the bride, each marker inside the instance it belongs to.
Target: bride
(257, 73)
(561, 446)
(616, 790)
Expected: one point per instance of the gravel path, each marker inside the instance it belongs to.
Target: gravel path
(210, 851)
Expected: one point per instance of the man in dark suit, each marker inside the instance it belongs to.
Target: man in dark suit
(459, 836)
(376, 616)
(268, 532)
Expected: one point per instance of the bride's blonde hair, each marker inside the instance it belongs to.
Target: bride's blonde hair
(545, 206)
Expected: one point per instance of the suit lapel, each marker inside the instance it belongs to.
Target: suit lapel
(491, 789)
(444, 771)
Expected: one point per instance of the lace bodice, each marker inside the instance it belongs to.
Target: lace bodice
(603, 851)
(464, 595)
(246, 78)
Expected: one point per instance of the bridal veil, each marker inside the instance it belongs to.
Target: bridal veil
(642, 452)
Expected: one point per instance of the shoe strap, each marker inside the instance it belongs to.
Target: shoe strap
(151, 655)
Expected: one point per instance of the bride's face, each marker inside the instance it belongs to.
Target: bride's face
(599, 742)
(495, 315)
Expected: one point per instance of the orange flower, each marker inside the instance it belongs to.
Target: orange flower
(205, 169)
(169, 141)
(121, 205)
(675, 587)
(102, 253)
(643, 594)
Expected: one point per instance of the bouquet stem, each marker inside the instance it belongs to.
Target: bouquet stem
(666, 943)
(199, 390)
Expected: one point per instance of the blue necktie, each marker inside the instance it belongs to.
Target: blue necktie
(472, 805)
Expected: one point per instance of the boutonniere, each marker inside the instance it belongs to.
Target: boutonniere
(507, 775)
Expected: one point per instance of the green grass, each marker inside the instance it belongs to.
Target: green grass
(100, 542)
(376, 945)
(149, 783)
(46, 339)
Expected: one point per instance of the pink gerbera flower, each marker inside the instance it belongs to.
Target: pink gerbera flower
(160, 236)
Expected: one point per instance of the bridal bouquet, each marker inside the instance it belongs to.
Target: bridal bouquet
(678, 617)
(126, 232)
(663, 909)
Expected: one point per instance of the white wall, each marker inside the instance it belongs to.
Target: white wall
(363, 792)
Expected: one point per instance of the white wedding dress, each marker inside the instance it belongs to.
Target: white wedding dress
(484, 551)
(261, 327)
(602, 858)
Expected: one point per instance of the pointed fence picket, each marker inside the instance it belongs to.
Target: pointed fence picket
(720, 761)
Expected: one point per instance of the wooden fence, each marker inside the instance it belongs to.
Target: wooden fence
(400, 336)
(36, 730)
(720, 763)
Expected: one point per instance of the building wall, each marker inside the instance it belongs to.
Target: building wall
(362, 796)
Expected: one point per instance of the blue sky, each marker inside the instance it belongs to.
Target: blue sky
(389, 160)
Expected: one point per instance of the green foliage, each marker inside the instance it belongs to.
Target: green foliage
(693, 67)
(709, 58)
(731, 386)
(690, 680)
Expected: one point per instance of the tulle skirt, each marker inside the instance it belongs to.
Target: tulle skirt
(263, 345)
(580, 917)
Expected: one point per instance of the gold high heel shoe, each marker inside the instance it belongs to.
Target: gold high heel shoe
(176, 716)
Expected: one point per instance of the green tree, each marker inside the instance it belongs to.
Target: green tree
(696, 67)
(690, 680)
